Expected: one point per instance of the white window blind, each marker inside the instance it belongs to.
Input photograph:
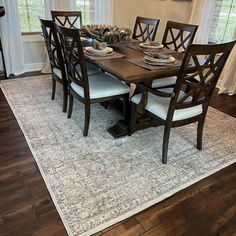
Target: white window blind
(29, 10)
(87, 9)
(224, 21)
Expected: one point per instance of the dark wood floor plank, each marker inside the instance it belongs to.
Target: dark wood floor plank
(129, 227)
(205, 208)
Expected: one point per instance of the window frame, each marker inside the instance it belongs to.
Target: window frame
(26, 9)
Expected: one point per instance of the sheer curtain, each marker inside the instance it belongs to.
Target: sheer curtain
(52, 5)
(227, 81)
(11, 38)
(103, 12)
(202, 14)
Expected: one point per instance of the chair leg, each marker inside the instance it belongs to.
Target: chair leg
(71, 99)
(125, 105)
(87, 119)
(53, 88)
(65, 98)
(133, 119)
(165, 143)
(105, 104)
(200, 127)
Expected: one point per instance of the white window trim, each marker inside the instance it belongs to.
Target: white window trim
(32, 38)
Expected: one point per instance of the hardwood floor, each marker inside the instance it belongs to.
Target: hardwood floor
(205, 208)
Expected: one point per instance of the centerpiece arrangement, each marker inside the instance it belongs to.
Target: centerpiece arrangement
(106, 33)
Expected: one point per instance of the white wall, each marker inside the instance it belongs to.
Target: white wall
(34, 52)
(125, 12)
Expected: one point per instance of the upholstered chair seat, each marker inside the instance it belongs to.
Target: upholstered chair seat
(102, 85)
(159, 106)
(157, 83)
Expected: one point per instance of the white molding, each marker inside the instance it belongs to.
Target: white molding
(32, 38)
(33, 66)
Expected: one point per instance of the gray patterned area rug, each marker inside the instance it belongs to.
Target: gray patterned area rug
(98, 181)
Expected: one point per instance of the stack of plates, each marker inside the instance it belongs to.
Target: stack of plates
(159, 59)
(150, 46)
(107, 51)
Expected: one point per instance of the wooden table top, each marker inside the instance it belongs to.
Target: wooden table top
(131, 73)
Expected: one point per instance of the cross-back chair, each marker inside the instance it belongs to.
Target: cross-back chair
(145, 29)
(174, 107)
(70, 19)
(88, 89)
(177, 37)
(56, 58)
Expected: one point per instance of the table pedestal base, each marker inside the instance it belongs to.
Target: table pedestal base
(120, 129)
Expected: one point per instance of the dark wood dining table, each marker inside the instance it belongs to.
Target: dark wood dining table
(127, 71)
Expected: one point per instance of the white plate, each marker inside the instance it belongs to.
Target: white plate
(151, 59)
(158, 63)
(145, 45)
(106, 50)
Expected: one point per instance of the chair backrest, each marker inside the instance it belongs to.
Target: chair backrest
(70, 19)
(202, 82)
(53, 45)
(178, 36)
(74, 57)
(145, 29)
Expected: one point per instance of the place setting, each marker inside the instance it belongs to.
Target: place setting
(101, 51)
(148, 46)
(159, 59)
(155, 60)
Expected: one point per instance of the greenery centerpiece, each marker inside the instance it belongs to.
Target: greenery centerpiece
(107, 33)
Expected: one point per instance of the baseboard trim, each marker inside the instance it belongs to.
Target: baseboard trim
(33, 67)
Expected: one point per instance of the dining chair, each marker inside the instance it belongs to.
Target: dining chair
(88, 89)
(173, 107)
(70, 19)
(56, 59)
(145, 29)
(177, 37)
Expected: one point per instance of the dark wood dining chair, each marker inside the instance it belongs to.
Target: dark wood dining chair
(70, 19)
(145, 29)
(177, 37)
(173, 107)
(88, 89)
(56, 59)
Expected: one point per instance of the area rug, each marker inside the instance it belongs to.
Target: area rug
(98, 180)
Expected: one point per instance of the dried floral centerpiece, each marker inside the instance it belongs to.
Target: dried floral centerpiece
(107, 33)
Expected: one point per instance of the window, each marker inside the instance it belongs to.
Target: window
(29, 11)
(224, 21)
(87, 9)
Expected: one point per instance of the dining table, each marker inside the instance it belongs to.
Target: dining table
(127, 65)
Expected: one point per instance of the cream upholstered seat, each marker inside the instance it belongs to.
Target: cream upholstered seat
(102, 85)
(157, 83)
(171, 107)
(159, 106)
